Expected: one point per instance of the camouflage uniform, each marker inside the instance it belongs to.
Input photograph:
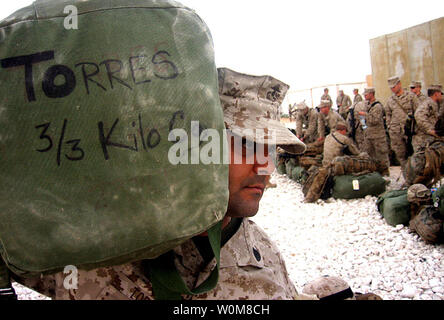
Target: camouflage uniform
(397, 109)
(426, 117)
(359, 133)
(421, 98)
(375, 142)
(310, 121)
(333, 148)
(251, 268)
(327, 124)
(344, 103)
(357, 98)
(326, 96)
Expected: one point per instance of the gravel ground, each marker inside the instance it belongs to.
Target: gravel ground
(349, 239)
(344, 238)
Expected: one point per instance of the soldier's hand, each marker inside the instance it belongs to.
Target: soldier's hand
(320, 139)
(433, 133)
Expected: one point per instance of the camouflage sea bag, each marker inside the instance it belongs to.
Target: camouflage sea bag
(354, 187)
(426, 166)
(428, 224)
(103, 107)
(394, 207)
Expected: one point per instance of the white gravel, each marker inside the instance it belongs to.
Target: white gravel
(349, 239)
(344, 238)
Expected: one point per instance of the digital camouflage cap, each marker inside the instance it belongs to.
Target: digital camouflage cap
(251, 109)
(415, 84)
(329, 288)
(393, 81)
(369, 90)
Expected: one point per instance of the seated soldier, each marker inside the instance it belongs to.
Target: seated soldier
(306, 123)
(338, 144)
(327, 120)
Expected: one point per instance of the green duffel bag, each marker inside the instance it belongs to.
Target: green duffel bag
(289, 166)
(355, 187)
(299, 174)
(394, 207)
(281, 167)
(89, 174)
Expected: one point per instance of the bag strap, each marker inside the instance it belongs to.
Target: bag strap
(343, 144)
(7, 292)
(374, 104)
(165, 279)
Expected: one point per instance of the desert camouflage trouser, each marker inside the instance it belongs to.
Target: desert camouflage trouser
(378, 149)
(398, 143)
(359, 139)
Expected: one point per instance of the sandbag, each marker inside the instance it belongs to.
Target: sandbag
(89, 174)
(394, 207)
(354, 187)
(428, 224)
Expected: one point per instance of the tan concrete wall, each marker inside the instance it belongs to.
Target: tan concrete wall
(416, 53)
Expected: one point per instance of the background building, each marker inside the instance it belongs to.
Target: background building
(413, 54)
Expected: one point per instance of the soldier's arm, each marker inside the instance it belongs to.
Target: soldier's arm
(388, 113)
(312, 125)
(415, 103)
(348, 102)
(299, 124)
(352, 146)
(422, 118)
(321, 127)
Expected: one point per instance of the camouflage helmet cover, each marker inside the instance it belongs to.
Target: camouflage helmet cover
(418, 192)
(251, 109)
(329, 287)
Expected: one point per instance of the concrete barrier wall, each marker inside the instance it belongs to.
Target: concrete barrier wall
(416, 53)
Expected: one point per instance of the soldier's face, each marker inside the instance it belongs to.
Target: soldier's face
(247, 181)
(397, 88)
(325, 110)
